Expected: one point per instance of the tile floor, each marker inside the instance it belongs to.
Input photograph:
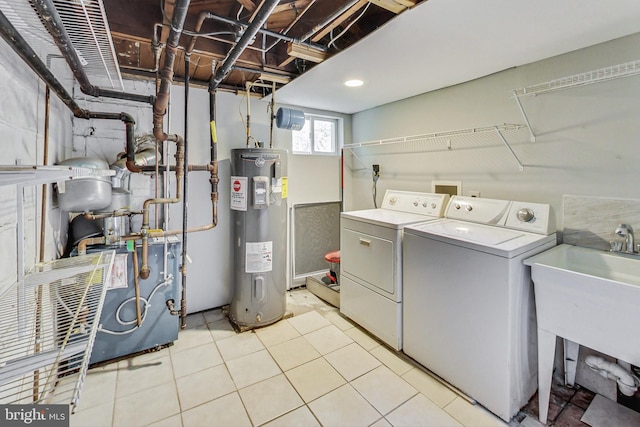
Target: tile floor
(313, 369)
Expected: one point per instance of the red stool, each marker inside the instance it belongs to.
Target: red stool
(334, 271)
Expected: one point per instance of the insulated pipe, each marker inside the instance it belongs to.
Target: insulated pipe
(246, 39)
(53, 23)
(29, 56)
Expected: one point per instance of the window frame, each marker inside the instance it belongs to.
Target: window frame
(338, 135)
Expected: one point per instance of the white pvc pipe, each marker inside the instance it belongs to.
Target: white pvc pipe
(627, 382)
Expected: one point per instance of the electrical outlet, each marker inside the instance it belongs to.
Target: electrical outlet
(376, 169)
(474, 193)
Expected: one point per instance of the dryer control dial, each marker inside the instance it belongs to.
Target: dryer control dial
(525, 215)
(415, 203)
(469, 208)
(393, 200)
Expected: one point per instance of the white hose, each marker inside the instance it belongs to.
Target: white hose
(627, 382)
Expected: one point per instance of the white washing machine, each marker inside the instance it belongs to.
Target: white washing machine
(371, 260)
(468, 311)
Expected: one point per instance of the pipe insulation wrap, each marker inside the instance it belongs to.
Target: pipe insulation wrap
(627, 382)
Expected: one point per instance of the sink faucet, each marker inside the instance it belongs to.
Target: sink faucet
(625, 230)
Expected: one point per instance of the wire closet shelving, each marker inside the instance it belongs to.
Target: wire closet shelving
(48, 326)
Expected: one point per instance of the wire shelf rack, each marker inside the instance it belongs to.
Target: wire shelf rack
(473, 138)
(48, 326)
(627, 69)
(86, 24)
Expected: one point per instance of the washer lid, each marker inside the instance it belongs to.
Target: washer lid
(486, 238)
(472, 232)
(386, 217)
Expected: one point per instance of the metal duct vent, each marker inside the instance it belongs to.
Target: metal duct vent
(86, 24)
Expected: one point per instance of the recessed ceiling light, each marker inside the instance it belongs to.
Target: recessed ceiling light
(353, 83)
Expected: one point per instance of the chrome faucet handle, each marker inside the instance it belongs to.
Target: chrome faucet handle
(616, 246)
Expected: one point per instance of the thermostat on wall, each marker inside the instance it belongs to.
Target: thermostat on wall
(452, 188)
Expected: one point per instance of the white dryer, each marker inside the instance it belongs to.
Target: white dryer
(371, 260)
(468, 311)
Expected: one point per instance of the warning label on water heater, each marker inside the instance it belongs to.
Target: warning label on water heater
(259, 257)
(239, 186)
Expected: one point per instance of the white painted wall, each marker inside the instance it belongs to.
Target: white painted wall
(22, 110)
(587, 137)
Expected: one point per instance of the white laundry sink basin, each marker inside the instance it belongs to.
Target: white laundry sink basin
(589, 296)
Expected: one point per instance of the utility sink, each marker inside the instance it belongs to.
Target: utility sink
(589, 297)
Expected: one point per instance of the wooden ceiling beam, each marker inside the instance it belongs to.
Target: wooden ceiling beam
(247, 4)
(348, 14)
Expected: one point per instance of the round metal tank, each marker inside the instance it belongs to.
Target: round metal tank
(259, 188)
(85, 194)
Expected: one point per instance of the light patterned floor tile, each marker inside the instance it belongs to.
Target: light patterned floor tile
(227, 411)
(277, 333)
(308, 322)
(472, 415)
(392, 360)
(221, 329)
(420, 411)
(362, 338)
(203, 386)
(93, 416)
(293, 353)
(135, 376)
(340, 321)
(352, 361)
(269, 399)
(430, 387)
(344, 407)
(192, 337)
(328, 339)
(195, 359)
(384, 389)
(99, 386)
(315, 378)
(252, 368)
(147, 406)
(301, 417)
(239, 345)
(174, 421)
(381, 423)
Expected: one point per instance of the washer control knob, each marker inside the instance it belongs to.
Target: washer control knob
(425, 204)
(433, 205)
(393, 200)
(415, 203)
(525, 215)
(457, 206)
(469, 208)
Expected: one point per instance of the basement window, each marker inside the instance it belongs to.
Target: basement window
(318, 136)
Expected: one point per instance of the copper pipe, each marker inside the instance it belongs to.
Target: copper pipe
(92, 216)
(145, 270)
(82, 245)
(137, 286)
